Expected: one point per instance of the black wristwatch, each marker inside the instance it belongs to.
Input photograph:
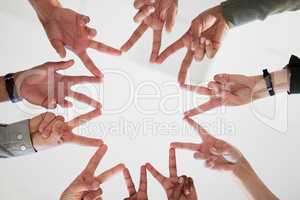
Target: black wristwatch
(268, 79)
(11, 88)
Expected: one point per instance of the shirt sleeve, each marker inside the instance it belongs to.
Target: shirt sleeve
(239, 12)
(15, 140)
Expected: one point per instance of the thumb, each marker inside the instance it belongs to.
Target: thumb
(231, 78)
(202, 23)
(59, 47)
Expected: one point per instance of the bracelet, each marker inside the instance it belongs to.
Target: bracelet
(268, 79)
(11, 88)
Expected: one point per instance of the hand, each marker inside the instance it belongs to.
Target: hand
(48, 131)
(44, 86)
(227, 90)
(86, 186)
(153, 14)
(203, 38)
(177, 188)
(141, 194)
(67, 28)
(217, 153)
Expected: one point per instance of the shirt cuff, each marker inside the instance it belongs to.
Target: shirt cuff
(15, 140)
(240, 12)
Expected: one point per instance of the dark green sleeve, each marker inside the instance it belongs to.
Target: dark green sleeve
(239, 12)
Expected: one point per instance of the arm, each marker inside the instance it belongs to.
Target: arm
(3, 93)
(280, 80)
(251, 183)
(15, 140)
(239, 12)
(222, 156)
(44, 8)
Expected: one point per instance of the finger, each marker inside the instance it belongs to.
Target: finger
(47, 117)
(186, 187)
(65, 103)
(200, 50)
(172, 163)
(143, 13)
(89, 64)
(157, 34)
(73, 80)
(85, 99)
(83, 141)
(187, 61)
(210, 49)
(202, 132)
(231, 78)
(47, 131)
(200, 156)
(170, 50)
(93, 195)
(60, 65)
(101, 47)
(138, 4)
(111, 172)
(91, 32)
(178, 191)
(187, 146)
(143, 180)
(198, 89)
(59, 47)
(137, 34)
(84, 20)
(172, 12)
(49, 103)
(129, 182)
(157, 175)
(82, 119)
(95, 160)
(211, 104)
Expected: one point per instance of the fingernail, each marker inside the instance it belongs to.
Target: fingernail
(180, 180)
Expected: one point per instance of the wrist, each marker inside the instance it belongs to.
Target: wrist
(280, 81)
(44, 8)
(243, 169)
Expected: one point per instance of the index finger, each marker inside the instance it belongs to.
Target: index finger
(109, 173)
(156, 174)
(129, 182)
(187, 146)
(186, 63)
(172, 163)
(101, 47)
(211, 104)
(170, 50)
(202, 132)
(157, 34)
(143, 180)
(82, 119)
(89, 64)
(137, 34)
(95, 160)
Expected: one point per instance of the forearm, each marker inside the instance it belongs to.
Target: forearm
(15, 140)
(239, 12)
(3, 93)
(280, 80)
(44, 8)
(251, 183)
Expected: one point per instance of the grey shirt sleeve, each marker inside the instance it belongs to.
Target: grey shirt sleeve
(239, 12)
(15, 140)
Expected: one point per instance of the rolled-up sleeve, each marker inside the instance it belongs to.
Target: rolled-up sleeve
(15, 140)
(239, 12)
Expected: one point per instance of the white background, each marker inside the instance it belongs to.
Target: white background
(269, 139)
